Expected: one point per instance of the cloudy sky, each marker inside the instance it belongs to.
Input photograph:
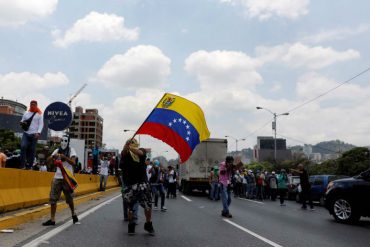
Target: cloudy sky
(228, 56)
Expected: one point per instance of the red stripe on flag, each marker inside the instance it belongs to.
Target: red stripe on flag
(168, 136)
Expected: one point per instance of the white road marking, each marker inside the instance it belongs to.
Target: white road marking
(52, 233)
(253, 234)
(185, 198)
(251, 201)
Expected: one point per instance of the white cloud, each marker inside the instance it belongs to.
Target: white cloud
(96, 27)
(335, 34)
(140, 67)
(266, 9)
(18, 12)
(299, 55)
(313, 84)
(26, 86)
(223, 69)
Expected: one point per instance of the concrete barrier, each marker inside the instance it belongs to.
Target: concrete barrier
(25, 188)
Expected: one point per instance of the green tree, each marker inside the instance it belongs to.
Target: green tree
(8, 141)
(354, 161)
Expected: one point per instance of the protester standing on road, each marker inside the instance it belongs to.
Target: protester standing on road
(137, 188)
(64, 158)
(156, 183)
(305, 185)
(226, 168)
(32, 123)
(213, 181)
(172, 176)
(282, 179)
(104, 164)
(272, 183)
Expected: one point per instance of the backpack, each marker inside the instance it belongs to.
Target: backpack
(154, 177)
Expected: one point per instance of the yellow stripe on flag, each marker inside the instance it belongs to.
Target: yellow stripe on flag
(191, 111)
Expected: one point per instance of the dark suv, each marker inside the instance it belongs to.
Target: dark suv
(348, 199)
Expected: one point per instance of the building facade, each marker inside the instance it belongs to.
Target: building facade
(265, 149)
(88, 126)
(10, 107)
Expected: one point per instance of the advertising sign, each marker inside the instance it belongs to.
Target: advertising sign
(59, 116)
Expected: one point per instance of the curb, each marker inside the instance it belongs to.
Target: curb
(23, 217)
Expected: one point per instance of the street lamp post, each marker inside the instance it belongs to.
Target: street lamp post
(126, 130)
(236, 141)
(274, 124)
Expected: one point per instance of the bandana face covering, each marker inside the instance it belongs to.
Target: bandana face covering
(134, 145)
(34, 107)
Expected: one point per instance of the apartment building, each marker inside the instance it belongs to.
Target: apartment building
(88, 126)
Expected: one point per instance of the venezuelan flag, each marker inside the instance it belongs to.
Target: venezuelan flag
(69, 178)
(178, 122)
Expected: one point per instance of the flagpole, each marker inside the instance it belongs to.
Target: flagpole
(148, 116)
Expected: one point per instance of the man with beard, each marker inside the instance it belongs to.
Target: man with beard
(64, 158)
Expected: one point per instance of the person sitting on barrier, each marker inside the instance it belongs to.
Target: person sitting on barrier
(64, 158)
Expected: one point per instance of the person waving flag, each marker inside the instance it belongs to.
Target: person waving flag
(178, 122)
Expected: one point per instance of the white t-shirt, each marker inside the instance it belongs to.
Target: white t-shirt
(171, 178)
(148, 167)
(104, 164)
(66, 165)
(37, 122)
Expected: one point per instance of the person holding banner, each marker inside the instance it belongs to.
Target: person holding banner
(64, 159)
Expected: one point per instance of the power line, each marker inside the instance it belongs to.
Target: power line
(252, 133)
(330, 90)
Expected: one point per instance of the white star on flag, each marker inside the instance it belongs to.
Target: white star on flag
(170, 124)
(187, 126)
(187, 138)
(189, 132)
(174, 120)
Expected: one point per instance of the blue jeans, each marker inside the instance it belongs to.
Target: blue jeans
(215, 191)
(28, 149)
(158, 190)
(103, 182)
(226, 199)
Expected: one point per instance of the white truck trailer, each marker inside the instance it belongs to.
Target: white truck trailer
(194, 173)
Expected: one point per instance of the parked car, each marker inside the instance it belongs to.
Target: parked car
(349, 199)
(293, 182)
(319, 184)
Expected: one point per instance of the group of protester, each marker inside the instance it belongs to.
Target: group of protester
(253, 185)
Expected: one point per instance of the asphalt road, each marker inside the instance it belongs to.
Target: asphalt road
(196, 221)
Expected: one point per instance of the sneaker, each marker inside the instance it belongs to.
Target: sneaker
(312, 209)
(163, 209)
(148, 226)
(226, 215)
(131, 228)
(155, 208)
(49, 223)
(75, 219)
